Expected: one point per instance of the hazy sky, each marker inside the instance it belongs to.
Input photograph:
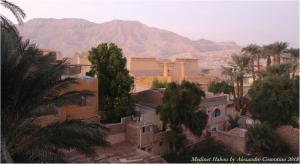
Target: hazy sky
(241, 21)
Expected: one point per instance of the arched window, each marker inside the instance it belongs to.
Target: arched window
(216, 113)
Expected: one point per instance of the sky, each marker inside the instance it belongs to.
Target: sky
(243, 22)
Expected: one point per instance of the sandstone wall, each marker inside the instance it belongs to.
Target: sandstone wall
(88, 111)
(70, 112)
(202, 80)
(147, 80)
(145, 67)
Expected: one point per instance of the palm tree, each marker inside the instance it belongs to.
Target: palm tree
(294, 59)
(32, 84)
(254, 51)
(231, 75)
(233, 121)
(238, 71)
(277, 49)
(266, 53)
(15, 10)
(241, 67)
(279, 70)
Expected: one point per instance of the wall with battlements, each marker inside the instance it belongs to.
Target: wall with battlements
(145, 70)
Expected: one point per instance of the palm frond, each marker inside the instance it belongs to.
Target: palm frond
(31, 82)
(41, 155)
(233, 121)
(71, 97)
(16, 10)
(7, 24)
(62, 136)
(252, 50)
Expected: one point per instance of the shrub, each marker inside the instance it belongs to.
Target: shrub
(264, 142)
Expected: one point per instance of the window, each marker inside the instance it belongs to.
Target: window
(214, 128)
(83, 101)
(216, 113)
(146, 129)
(160, 143)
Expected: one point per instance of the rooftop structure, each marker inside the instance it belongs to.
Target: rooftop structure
(214, 106)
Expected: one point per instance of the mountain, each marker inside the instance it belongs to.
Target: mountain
(136, 39)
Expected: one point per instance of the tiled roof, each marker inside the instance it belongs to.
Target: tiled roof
(151, 98)
(212, 101)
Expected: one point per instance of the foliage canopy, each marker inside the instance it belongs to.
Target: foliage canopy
(180, 108)
(114, 81)
(220, 87)
(32, 85)
(275, 100)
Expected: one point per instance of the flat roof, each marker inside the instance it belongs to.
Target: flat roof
(143, 109)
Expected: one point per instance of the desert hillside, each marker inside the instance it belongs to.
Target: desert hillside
(136, 39)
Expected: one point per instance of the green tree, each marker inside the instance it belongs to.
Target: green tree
(266, 54)
(237, 72)
(159, 84)
(240, 66)
(293, 54)
(277, 49)
(180, 108)
(278, 70)
(231, 78)
(276, 96)
(254, 51)
(264, 142)
(220, 87)
(32, 84)
(114, 81)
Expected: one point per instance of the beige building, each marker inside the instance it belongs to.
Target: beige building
(81, 59)
(145, 70)
(88, 107)
(145, 131)
(216, 109)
